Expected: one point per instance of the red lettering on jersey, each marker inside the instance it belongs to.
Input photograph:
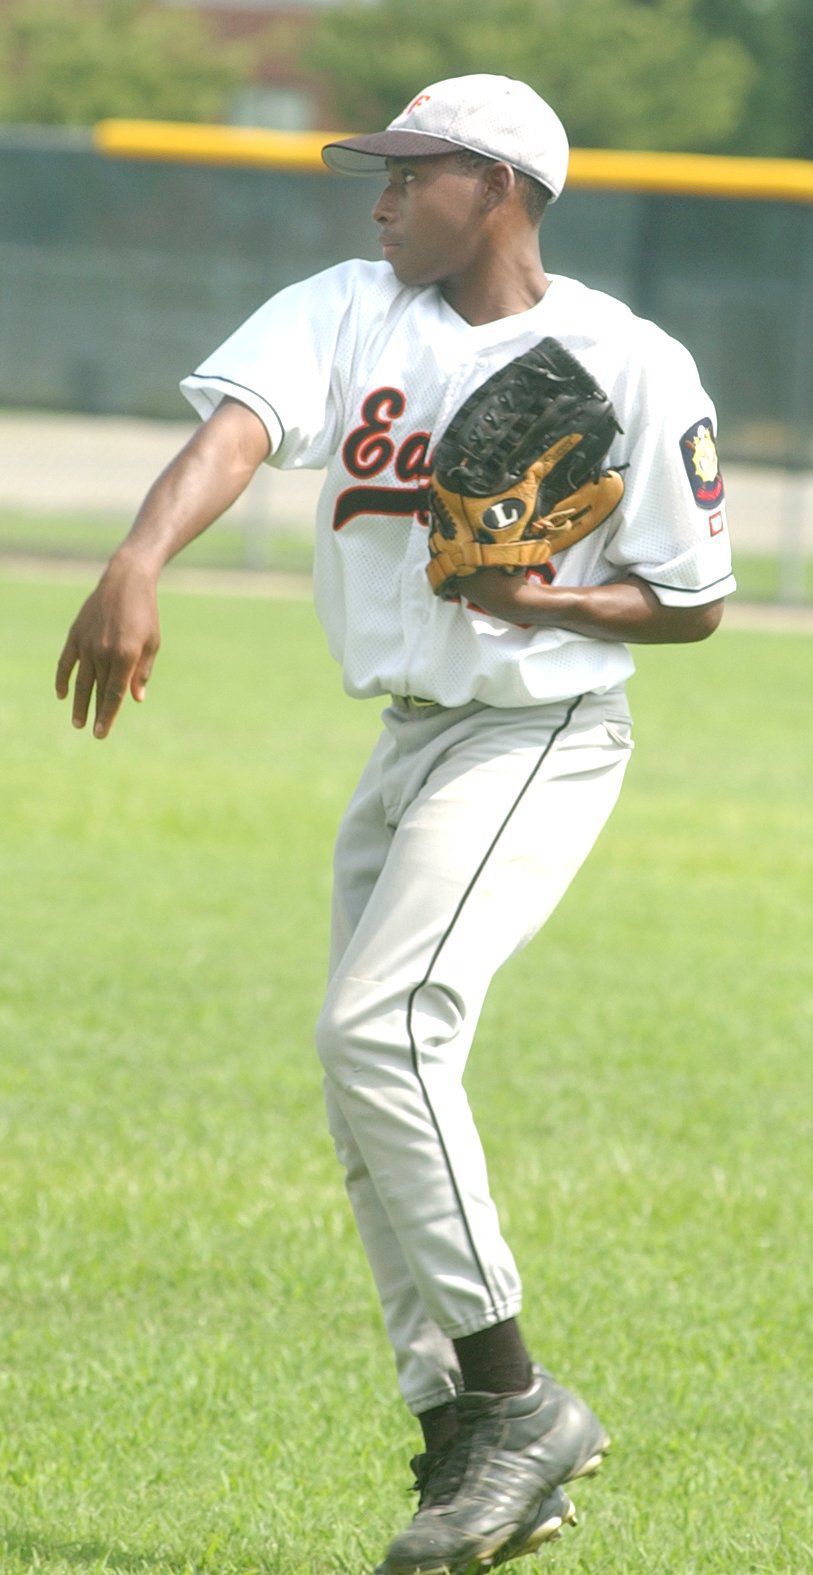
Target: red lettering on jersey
(368, 449)
(541, 571)
(412, 460)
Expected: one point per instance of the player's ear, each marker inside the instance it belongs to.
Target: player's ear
(499, 181)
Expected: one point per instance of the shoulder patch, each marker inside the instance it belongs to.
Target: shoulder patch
(699, 452)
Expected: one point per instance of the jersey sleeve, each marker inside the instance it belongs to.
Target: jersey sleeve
(286, 362)
(672, 529)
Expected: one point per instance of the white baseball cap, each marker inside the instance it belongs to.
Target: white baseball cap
(496, 116)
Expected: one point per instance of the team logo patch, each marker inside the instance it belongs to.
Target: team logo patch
(508, 511)
(699, 452)
(716, 523)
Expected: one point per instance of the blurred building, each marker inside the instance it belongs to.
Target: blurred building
(283, 95)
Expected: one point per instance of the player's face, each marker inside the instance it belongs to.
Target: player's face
(429, 217)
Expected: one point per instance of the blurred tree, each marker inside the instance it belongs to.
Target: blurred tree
(72, 64)
(804, 44)
(777, 113)
(707, 75)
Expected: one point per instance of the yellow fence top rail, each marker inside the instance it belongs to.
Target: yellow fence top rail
(693, 174)
(688, 174)
(179, 142)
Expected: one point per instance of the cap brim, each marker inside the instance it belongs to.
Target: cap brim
(368, 155)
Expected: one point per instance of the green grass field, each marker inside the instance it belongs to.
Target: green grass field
(193, 1371)
(286, 547)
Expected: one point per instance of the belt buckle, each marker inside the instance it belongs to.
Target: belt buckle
(412, 702)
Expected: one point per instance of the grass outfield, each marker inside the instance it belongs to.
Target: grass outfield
(193, 1370)
(229, 546)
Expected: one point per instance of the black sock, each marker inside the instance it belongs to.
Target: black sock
(438, 1425)
(495, 1360)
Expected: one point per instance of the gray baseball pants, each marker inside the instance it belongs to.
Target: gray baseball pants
(466, 828)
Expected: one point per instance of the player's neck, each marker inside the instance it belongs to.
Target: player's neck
(497, 287)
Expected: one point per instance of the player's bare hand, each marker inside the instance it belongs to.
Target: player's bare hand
(112, 644)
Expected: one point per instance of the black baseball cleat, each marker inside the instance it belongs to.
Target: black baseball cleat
(494, 1492)
(544, 1525)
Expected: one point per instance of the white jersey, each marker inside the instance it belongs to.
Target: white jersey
(353, 371)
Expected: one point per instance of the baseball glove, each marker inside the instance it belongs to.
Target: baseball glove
(517, 474)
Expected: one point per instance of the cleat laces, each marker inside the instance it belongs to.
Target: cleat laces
(439, 1474)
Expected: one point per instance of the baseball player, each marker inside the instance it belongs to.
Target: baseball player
(506, 730)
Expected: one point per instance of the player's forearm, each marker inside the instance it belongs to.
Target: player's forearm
(197, 486)
(183, 502)
(628, 610)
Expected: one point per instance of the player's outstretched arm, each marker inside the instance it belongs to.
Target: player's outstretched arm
(628, 610)
(114, 639)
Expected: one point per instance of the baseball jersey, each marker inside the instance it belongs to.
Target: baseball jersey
(356, 373)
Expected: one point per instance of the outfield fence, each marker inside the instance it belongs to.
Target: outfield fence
(127, 254)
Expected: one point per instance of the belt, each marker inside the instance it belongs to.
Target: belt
(412, 702)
